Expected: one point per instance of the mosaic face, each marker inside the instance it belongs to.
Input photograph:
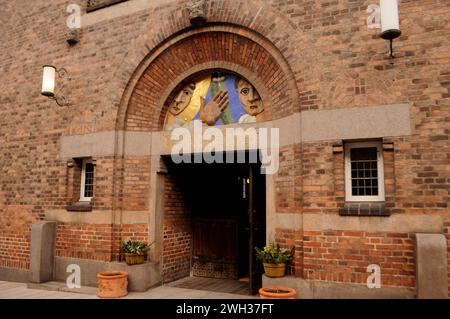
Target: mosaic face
(249, 98)
(218, 98)
(182, 100)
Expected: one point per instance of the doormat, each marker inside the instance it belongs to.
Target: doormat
(214, 270)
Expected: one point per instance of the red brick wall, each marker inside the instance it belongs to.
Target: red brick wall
(292, 239)
(288, 182)
(177, 232)
(343, 256)
(85, 241)
(95, 241)
(136, 183)
(318, 178)
(15, 232)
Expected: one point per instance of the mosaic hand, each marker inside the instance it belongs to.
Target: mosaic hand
(211, 112)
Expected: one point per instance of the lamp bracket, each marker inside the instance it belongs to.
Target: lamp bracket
(60, 99)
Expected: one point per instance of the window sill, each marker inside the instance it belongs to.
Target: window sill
(80, 207)
(101, 4)
(364, 209)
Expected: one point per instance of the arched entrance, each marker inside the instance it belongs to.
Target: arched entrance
(201, 65)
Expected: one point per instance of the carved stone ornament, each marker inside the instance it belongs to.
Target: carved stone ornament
(72, 36)
(198, 11)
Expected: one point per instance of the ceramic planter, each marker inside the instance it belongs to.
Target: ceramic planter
(274, 270)
(112, 284)
(277, 292)
(134, 259)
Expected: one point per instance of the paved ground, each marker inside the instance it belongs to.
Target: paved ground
(211, 284)
(14, 290)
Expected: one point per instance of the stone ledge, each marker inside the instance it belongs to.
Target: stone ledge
(364, 209)
(79, 207)
(42, 251)
(14, 274)
(431, 266)
(140, 277)
(99, 4)
(304, 124)
(309, 289)
(97, 217)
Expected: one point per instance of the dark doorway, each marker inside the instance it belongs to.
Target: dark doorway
(226, 203)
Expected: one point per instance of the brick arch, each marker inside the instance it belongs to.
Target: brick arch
(213, 48)
(256, 19)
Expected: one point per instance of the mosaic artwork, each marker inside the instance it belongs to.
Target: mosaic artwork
(216, 99)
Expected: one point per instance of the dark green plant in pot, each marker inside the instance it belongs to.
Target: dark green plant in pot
(134, 247)
(135, 252)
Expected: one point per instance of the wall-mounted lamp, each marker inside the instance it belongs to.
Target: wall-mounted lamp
(48, 84)
(390, 25)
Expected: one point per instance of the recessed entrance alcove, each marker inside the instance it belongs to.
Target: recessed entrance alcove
(214, 216)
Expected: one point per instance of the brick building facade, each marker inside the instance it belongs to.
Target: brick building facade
(326, 80)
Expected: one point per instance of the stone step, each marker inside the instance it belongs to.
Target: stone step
(61, 286)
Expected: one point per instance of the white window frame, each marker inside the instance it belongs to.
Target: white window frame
(83, 179)
(348, 173)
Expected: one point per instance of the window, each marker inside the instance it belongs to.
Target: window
(87, 180)
(364, 177)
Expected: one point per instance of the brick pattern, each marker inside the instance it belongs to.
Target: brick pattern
(292, 239)
(343, 256)
(364, 209)
(96, 241)
(85, 241)
(177, 232)
(288, 183)
(15, 232)
(136, 183)
(323, 178)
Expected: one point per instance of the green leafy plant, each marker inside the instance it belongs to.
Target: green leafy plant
(273, 254)
(134, 247)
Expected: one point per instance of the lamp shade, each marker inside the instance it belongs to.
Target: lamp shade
(390, 25)
(48, 80)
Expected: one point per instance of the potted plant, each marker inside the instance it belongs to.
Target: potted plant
(135, 252)
(274, 259)
(112, 284)
(277, 292)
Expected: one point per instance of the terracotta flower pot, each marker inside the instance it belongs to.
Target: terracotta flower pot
(112, 284)
(277, 292)
(274, 270)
